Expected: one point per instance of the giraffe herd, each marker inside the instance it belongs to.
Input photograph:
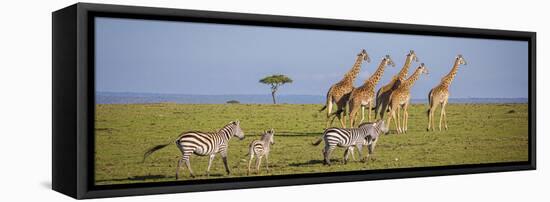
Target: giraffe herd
(392, 98)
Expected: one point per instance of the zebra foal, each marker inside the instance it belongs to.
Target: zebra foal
(367, 134)
(261, 148)
(203, 144)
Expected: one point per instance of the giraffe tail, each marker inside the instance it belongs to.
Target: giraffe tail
(430, 102)
(329, 99)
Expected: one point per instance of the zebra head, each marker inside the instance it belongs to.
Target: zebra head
(271, 134)
(237, 131)
(382, 126)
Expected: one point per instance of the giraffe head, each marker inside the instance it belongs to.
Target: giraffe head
(364, 55)
(461, 60)
(388, 61)
(423, 69)
(412, 56)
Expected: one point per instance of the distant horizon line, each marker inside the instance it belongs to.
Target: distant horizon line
(267, 94)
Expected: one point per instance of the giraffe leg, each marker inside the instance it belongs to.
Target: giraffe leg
(370, 111)
(441, 117)
(405, 117)
(362, 114)
(329, 113)
(341, 117)
(398, 120)
(444, 110)
(352, 113)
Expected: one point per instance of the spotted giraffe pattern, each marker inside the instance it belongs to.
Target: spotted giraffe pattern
(339, 93)
(383, 94)
(364, 95)
(400, 99)
(439, 95)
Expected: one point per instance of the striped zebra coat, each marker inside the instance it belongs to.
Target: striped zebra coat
(203, 144)
(260, 148)
(351, 137)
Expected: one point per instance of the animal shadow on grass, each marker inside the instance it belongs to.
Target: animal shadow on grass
(136, 178)
(312, 162)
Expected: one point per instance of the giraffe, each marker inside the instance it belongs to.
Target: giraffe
(400, 99)
(364, 95)
(339, 93)
(440, 95)
(383, 94)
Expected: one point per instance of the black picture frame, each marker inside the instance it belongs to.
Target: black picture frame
(73, 100)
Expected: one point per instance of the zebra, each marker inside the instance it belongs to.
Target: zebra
(203, 144)
(348, 137)
(261, 148)
(365, 142)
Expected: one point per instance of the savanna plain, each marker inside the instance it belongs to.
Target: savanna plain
(478, 133)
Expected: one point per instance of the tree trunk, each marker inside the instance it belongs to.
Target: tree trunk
(273, 96)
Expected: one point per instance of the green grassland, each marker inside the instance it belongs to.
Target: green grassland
(478, 133)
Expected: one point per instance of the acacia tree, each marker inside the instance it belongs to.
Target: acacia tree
(275, 81)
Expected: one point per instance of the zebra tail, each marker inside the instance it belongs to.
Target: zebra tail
(317, 142)
(154, 149)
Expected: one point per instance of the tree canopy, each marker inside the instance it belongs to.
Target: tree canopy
(275, 81)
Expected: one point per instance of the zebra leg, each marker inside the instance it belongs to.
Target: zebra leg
(224, 157)
(352, 151)
(327, 155)
(346, 155)
(188, 164)
(209, 164)
(267, 162)
(178, 168)
(359, 149)
(250, 162)
(258, 163)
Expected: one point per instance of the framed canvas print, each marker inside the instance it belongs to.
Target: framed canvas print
(154, 100)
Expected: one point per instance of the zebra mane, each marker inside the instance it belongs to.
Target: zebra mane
(266, 136)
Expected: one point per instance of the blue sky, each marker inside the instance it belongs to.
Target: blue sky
(197, 58)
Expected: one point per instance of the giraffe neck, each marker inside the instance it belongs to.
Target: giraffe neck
(350, 76)
(373, 80)
(407, 84)
(405, 70)
(448, 79)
